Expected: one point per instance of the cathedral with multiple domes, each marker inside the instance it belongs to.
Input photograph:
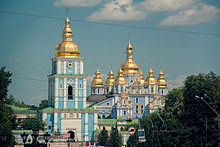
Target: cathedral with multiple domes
(128, 95)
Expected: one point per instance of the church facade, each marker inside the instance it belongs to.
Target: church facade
(67, 111)
(128, 95)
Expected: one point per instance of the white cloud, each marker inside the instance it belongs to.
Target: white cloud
(77, 3)
(122, 10)
(176, 82)
(166, 5)
(201, 13)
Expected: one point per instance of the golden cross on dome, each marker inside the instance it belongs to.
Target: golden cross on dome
(129, 36)
(160, 66)
(67, 10)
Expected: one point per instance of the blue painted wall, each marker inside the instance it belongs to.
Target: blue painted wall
(83, 127)
(91, 126)
(50, 122)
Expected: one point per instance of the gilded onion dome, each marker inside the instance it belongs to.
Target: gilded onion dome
(120, 79)
(129, 66)
(97, 81)
(67, 48)
(142, 81)
(110, 80)
(150, 79)
(162, 83)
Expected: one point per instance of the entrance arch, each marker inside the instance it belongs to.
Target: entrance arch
(72, 134)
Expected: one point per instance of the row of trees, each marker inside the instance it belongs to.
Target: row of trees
(114, 140)
(186, 120)
(7, 115)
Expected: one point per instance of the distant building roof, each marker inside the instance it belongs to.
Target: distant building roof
(94, 98)
(18, 110)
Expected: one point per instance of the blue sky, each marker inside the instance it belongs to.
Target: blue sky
(161, 35)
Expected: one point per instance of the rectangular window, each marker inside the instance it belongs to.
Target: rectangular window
(124, 112)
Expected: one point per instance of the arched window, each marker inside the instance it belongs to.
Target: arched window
(98, 91)
(162, 92)
(152, 89)
(70, 92)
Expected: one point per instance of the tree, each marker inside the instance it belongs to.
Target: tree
(103, 137)
(43, 104)
(7, 117)
(31, 123)
(115, 138)
(5, 80)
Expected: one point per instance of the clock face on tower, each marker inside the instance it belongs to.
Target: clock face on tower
(70, 64)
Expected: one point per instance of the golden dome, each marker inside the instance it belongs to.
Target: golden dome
(120, 79)
(111, 79)
(129, 66)
(162, 83)
(97, 81)
(67, 48)
(142, 81)
(150, 79)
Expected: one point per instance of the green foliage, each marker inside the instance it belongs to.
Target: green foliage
(7, 118)
(31, 123)
(43, 104)
(103, 137)
(5, 80)
(115, 138)
(182, 122)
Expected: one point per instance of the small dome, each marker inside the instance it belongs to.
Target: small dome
(142, 81)
(97, 81)
(150, 79)
(120, 79)
(162, 83)
(110, 80)
(67, 48)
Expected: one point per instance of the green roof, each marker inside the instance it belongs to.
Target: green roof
(51, 108)
(113, 121)
(22, 110)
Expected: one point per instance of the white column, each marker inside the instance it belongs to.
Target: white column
(95, 121)
(58, 66)
(56, 93)
(55, 121)
(64, 67)
(64, 92)
(75, 67)
(84, 93)
(76, 92)
(81, 67)
(86, 127)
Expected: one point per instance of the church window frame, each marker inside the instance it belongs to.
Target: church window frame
(124, 113)
(61, 85)
(70, 92)
(136, 109)
(142, 109)
(152, 89)
(162, 91)
(136, 100)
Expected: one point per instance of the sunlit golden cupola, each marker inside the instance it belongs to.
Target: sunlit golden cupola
(142, 81)
(120, 79)
(150, 79)
(162, 83)
(110, 80)
(97, 81)
(67, 48)
(129, 66)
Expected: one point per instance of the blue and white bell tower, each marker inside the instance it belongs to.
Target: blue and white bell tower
(67, 112)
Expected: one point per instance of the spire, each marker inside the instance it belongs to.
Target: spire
(67, 31)
(110, 80)
(141, 76)
(129, 66)
(97, 81)
(150, 79)
(67, 48)
(161, 81)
